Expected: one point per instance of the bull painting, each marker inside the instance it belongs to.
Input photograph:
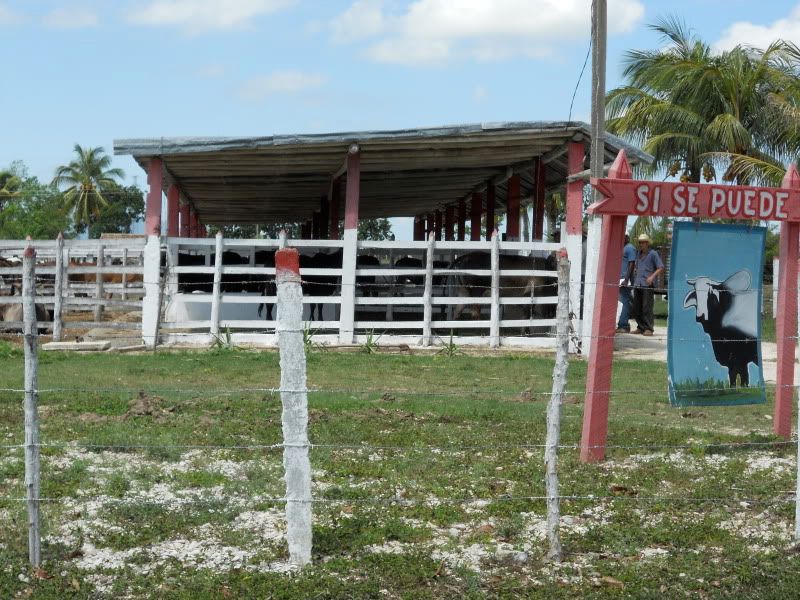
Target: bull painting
(713, 341)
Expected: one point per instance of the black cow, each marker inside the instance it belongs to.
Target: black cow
(409, 262)
(728, 312)
(265, 283)
(194, 282)
(320, 285)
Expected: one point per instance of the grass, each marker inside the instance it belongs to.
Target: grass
(174, 522)
(694, 392)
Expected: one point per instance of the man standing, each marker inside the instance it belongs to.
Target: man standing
(625, 281)
(648, 268)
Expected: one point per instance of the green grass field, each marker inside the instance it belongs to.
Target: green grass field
(447, 518)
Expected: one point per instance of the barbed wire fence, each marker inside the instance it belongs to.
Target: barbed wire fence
(293, 390)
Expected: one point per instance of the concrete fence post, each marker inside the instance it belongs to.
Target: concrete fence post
(32, 473)
(58, 291)
(494, 315)
(124, 274)
(216, 298)
(100, 263)
(294, 399)
(554, 408)
(427, 293)
(151, 303)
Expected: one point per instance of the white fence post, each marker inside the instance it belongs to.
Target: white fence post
(32, 474)
(294, 398)
(494, 314)
(347, 312)
(99, 263)
(427, 293)
(592, 255)
(554, 408)
(58, 291)
(574, 245)
(151, 303)
(124, 275)
(216, 298)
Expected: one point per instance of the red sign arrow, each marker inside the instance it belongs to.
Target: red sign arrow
(669, 199)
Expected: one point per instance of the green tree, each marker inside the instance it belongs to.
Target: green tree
(701, 113)
(125, 207)
(375, 229)
(85, 182)
(36, 210)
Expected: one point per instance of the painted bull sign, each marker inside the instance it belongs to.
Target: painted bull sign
(671, 199)
(714, 330)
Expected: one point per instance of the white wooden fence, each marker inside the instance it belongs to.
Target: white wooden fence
(76, 276)
(385, 308)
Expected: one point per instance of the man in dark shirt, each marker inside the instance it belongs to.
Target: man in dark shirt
(648, 268)
(625, 281)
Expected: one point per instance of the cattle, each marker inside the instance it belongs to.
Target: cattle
(409, 262)
(728, 313)
(367, 284)
(476, 286)
(320, 285)
(267, 285)
(11, 313)
(194, 282)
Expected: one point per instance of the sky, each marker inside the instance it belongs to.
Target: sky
(91, 71)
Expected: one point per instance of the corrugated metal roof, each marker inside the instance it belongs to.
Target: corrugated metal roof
(404, 172)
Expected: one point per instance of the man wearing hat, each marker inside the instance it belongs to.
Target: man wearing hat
(648, 268)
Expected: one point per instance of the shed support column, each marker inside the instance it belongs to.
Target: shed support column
(333, 210)
(152, 220)
(350, 249)
(786, 322)
(419, 228)
(462, 220)
(449, 218)
(437, 225)
(538, 200)
(315, 225)
(598, 375)
(173, 197)
(430, 225)
(512, 208)
(574, 242)
(184, 230)
(192, 222)
(475, 209)
(305, 230)
(490, 206)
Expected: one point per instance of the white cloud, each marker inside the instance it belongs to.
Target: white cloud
(750, 34)
(435, 31)
(279, 82)
(198, 16)
(70, 18)
(8, 16)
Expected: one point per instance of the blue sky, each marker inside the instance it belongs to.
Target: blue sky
(90, 71)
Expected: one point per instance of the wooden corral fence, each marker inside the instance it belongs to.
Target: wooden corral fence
(392, 292)
(74, 276)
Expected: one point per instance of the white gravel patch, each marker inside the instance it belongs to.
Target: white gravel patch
(764, 461)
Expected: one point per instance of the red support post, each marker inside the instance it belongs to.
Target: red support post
(490, 211)
(184, 230)
(598, 376)
(192, 222)
(333, 210)
(476, 207)
(538, 200)
(575, 157)
(305, 230)
(512, 208)
(173, 199)
(152, 220)
(437, 225)
(786, 320)
(462, 220)
(353, 193)
(430, 224)
(419, 228)
(449, 219)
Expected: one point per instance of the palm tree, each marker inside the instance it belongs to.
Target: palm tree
(700, 113)
(85, 181)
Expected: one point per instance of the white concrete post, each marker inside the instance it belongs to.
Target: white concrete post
(216, 297)
(151, 303)
(172, 262)
(32, 474)
(554, 409)
(294, 398)
(574, 244)
(589, 289)
(494, 314)
(427, 292)
(99, 264)
(347, 312)
(58, 291)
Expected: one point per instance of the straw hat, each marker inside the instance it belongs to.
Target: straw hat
(644, 238)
